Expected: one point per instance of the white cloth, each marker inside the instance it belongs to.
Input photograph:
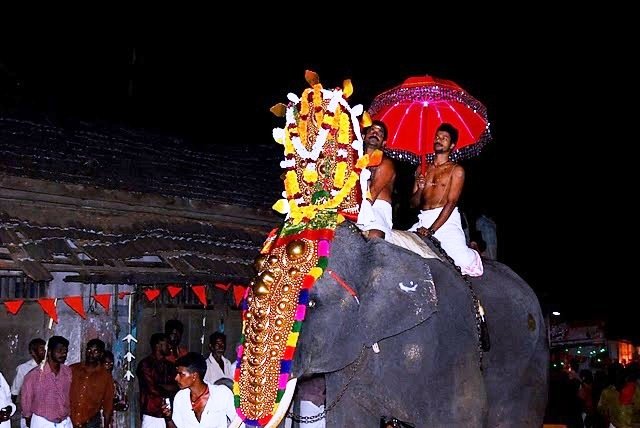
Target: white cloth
(153, 422)
(218, 412)
(412, 242)
(21, 371)
(16, 385)
(307, 408)
(377, 216)
(5, 400)
(40, 422)
(452, 239)
(214, 372)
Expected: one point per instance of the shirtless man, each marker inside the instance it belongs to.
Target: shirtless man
(436, 193)
(376, 217)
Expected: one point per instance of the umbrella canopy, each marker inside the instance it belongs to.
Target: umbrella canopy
(413, 111)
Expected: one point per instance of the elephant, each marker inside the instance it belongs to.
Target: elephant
(395, 334)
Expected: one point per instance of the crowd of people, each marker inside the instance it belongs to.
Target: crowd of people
(602, 398)
(177, 388)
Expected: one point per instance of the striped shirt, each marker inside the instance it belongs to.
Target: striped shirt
(46, 394)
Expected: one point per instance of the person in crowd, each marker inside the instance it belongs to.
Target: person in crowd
(37, 351)
(156, 382)
(217, 365)
(91, 389)
(120, 400)
(174, 329)
(7, 408)
(45, 393)
(436, 193)
(198, 403)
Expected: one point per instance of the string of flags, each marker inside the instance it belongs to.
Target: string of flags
(48, 304)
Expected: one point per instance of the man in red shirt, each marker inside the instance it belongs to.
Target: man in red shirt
(156, 377)
(91, 389)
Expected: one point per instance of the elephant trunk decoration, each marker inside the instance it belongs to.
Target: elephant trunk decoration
(392, 332)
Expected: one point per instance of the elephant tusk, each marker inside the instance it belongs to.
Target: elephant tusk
(284, 404)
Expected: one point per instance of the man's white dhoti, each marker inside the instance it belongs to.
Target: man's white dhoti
(40, 422)
(377, 216)
(452, 239)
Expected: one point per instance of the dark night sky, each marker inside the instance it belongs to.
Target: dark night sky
(547, 105)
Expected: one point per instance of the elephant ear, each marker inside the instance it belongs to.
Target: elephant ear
(399, 292)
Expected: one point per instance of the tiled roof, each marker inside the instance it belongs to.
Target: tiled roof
(233, 173)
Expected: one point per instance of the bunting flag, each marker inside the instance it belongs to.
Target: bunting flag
(223, 287)
(152, 293)
(201, 292)
(13, 306)
(49, 307)
(103, 300)
(238, 294)
(173, 290)
(75, 303)
(122, 294)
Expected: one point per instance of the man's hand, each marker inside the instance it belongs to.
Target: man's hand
(421, 180)
(424, 232)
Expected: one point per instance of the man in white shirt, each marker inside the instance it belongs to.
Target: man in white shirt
(7, 408)
(217, 365)
(37, 352)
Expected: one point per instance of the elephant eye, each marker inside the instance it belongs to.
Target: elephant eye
(311, 303)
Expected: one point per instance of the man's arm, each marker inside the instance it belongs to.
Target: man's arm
(457, 183)
(418, 187)
(384, 175)
(26, 397)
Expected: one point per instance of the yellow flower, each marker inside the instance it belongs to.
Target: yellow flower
(338, 180)
(291, 184)
(344, 129)
(310, 175)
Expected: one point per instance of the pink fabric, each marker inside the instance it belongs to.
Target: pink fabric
(300, 312)
(284, 378)
(46, 394)
(323, 248)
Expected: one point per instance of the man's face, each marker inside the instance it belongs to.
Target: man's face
(38, 353)
(218, 347)
(58, 354)
(442, 142)
(163, 347)
(184, 377)
(174, 337)
(374, 138)
(93, 354)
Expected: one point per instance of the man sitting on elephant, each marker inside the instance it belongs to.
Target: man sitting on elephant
(376, 213)
(436, 193)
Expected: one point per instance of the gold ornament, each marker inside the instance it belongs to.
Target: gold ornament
(259, 263)
(296, 249)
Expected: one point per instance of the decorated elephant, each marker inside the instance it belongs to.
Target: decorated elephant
(393, 333)
(389, 342)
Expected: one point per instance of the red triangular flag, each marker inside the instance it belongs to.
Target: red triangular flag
(104, 300)
(201, 292)
(13, 306)
(238, 294)
(173, 290)
(152, 294)
(122, 294)
(223, 287)
(49, 307)
(75, 303)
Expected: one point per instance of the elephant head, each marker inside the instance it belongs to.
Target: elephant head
(370, 291)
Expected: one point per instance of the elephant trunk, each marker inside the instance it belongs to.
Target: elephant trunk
(282, 407)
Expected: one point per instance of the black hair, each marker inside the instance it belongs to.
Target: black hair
(193, 362)
(171, 325)
(35, 343)
(453, 132)
(108, 354)
(97, 343)
(217, 334)
(157, 338)
(57, 340)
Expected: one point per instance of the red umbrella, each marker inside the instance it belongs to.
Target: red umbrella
(414, 110)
